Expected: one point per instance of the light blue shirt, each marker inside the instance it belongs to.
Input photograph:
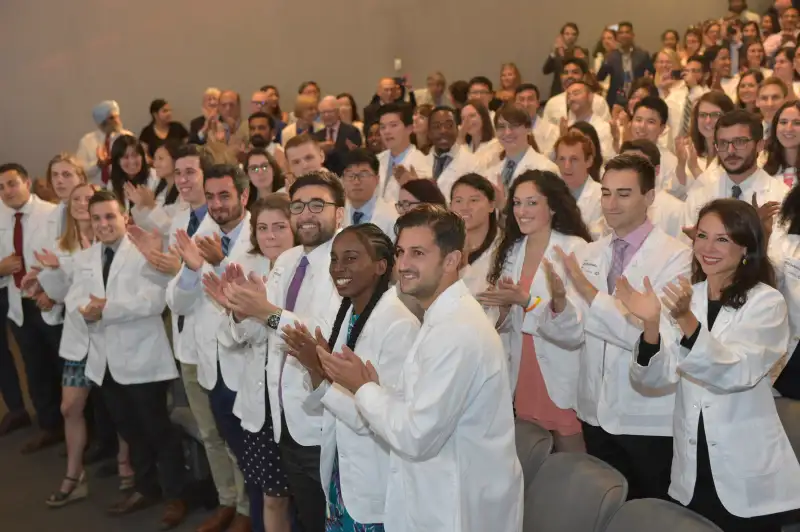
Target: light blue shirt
(200, 212)
(368, 209)
(189, 278)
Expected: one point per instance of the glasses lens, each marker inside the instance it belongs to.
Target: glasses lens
(316, 206)
(297, 207)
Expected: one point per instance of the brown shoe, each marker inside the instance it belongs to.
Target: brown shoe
(241, 523)
(43, 440)
(132, 503)
(14, 421)
(174, 514)
(219, 521)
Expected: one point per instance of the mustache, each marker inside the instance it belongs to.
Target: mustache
(407, 271)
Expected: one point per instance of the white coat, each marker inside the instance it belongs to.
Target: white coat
(591, 209)
(556, 108)
(606, 397)
(453, 465)
(474, 275)
(208, 316)
(288, 382)
(558, 361)
(487, 153)
(463, 163)
(249, 405)
(385, 341)
(532, 160)
(668, 213)
(784, 252)
(184, 342)
(384, 215)
(715, 184)
(39, 230)
(389, 188)
(725, 378)
(130, 338)
(57, 283)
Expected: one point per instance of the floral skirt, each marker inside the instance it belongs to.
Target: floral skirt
(338, 519)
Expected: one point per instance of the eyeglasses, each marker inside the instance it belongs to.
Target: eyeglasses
(479, 92)
(405, 206)
(715, 115)
(739, 143)
(358, 177)
(316, 206)
(259, 102)
(259, 168)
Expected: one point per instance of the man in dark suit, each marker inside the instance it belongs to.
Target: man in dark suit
(565, 42)
(337, 138)
(624, 65)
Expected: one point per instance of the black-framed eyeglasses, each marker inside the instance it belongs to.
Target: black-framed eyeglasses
(315, 205)
(714, 115)
(405, 206)
(257, 168)
(738, 143)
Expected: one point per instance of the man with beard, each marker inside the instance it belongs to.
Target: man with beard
(448, 422)
(739, 137)
(448, 159)
(219, 366)
(300, 290)
(262, 135)
(574, 69)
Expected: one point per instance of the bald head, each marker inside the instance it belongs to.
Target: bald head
(229, 105)
(329, 111)
(386, 90)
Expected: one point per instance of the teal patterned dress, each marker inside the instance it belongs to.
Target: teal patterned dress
(338, 520)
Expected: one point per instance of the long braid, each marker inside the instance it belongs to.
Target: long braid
(382, 249)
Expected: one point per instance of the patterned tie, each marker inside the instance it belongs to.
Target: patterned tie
(194, 224)
(439, 164)
(617, 263)
(226, 244)
(294, 286)
(18, 275)
(508, 172)
(330, 135)
(736, 191)
(686, 119)
(108, 253)
(191, 229)
(357, 217)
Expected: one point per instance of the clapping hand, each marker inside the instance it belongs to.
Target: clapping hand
(249, 298)
(303, 346)
(187, 249)
(506, 293)
(93, 311)
(582, 285)
(403, 175)
(558, 293)
(145, 241)
(140, 195)
(211, 249)
(347, 369)
(678, 297)
(214, 287)
(644, 305)
(47, 258)
(766, 213)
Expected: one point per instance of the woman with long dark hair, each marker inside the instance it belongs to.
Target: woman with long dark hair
(733, 462)
(784, 146)
(161, 127)
(477, 133)
(747, 90)
(542, 215)
(129, 165)
(698, 153)
(472, 197)
(155, 208)
(373, 324)
(266, 176)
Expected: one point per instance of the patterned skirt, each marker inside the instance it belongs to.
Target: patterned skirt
(74, 374)
(338, 519)
(262, 460)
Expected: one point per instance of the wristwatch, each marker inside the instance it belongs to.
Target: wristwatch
(274, 320)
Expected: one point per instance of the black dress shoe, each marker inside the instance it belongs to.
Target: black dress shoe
(14, 421)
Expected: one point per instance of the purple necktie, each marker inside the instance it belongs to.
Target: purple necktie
(294, 286)
(617, 263)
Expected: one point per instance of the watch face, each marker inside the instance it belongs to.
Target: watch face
(273, 321)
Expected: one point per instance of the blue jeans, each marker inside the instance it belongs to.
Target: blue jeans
(230, 428)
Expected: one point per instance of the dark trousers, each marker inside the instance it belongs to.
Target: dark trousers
(230, 428)
(645, 461)
(39, 343)
(102, 430)
(9, 378)
(140, 413)
(305, 486)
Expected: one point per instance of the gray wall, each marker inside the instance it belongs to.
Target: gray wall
(60, 58)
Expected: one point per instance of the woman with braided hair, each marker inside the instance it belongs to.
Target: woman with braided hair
(372, 321)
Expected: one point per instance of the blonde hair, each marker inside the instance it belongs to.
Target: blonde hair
(672, 55)
(68, 158)
(517, 74)
(304, 102)
(70, 239)
(212, 91)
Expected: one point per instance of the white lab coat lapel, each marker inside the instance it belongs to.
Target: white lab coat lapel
(120, 260)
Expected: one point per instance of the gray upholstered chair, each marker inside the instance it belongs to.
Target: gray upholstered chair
(573, 492)
(655, 515)
(534, 445)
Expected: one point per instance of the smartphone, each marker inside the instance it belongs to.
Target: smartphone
(401, 81)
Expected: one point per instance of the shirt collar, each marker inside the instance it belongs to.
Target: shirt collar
(401, 156)
(452, 152)
(26, 209)
(578, 191)
(367, 209)
(114, 247)
(518, 157)
(320, 254)
(233, 236)
(637, 237)
(200, 212)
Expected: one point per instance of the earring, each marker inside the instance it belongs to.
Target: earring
(744, 261)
